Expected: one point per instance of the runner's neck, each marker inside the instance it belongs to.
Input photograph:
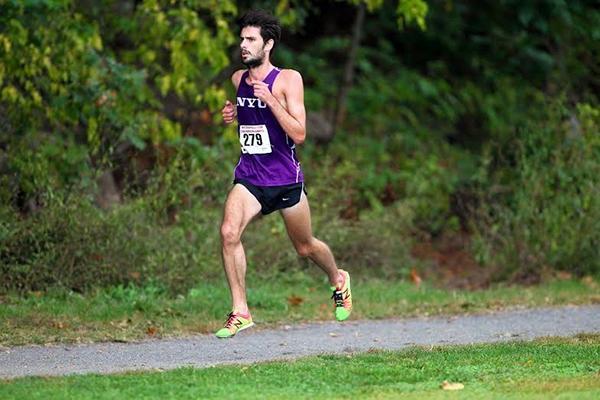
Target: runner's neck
(260, 73)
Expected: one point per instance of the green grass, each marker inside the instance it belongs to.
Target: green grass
(132, 313)
(550, 368)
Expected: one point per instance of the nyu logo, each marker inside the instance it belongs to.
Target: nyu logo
(250, 101)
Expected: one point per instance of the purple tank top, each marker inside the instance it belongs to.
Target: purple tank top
(268, 156)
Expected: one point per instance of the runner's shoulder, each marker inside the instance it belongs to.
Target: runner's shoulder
(291, 75)
(290, 79)
(236, 77)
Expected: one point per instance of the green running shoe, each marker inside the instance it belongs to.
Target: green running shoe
(235, 323)
(342, 296)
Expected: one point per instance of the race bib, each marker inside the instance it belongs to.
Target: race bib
(254, 139)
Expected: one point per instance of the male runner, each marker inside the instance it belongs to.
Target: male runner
(271, 122)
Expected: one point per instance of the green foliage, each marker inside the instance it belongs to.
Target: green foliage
(405, 123)
(171, 233)
(462, 112)
(412, 11)
(64, 83)
(182, 46)
(42, 163)
(407, 11)
(44, 61)
(541, 44)
(550, 216)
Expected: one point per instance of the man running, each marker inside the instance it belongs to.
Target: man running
(271, 122)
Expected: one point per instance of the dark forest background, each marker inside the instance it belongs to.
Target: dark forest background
(458, 140)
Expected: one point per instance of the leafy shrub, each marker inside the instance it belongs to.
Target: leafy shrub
(551, 216)
(168, 235)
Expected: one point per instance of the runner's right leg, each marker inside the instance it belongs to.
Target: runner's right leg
(241, 206)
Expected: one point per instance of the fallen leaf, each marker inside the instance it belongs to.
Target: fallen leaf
(58, 325)
(415, 278)
(136, 275)
(564, 275)
(294, 300)
(123, 323)
(452, 386)
(152, 330)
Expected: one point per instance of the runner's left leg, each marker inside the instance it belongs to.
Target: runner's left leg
(298, 225)
(297, 222)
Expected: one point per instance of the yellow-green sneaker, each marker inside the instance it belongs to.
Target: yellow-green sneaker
(342, 296)
(235, 322)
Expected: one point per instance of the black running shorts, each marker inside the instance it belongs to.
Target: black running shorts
(273, 198)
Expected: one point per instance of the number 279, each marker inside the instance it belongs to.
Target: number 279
(252, 139)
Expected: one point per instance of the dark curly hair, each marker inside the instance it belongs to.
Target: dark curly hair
(268, 24)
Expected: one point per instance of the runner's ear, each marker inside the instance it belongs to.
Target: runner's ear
(269, 45)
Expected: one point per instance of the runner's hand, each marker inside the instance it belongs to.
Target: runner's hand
(228, 112)
(261, 90)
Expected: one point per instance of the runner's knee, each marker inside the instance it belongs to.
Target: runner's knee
(230, 235)
(305, 249)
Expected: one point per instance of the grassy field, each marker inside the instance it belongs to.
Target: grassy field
(543, 369)
(133, 313)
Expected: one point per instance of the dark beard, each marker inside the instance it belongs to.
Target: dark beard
(253, 63)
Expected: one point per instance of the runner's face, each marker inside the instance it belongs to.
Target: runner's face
(252, 47)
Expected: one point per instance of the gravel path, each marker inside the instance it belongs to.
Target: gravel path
(289, 342)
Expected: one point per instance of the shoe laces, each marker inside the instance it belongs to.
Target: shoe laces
(231, 318)
(338, 297)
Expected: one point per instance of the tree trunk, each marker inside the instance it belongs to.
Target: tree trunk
(348, 78)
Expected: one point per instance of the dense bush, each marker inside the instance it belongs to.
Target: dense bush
(548, 216)
(171, 236)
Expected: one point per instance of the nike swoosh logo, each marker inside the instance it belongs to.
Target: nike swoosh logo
(285, 198)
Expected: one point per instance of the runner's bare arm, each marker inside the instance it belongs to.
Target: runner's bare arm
(229, 111)
(292, 115)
